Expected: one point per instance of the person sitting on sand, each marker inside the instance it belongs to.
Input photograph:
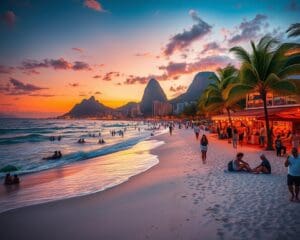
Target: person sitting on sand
(264, 167)
(8, 179)
(239, 165)
(293, 178)
(16, 179)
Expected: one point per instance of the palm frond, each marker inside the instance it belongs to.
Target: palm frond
(293, 30)
(241, 54)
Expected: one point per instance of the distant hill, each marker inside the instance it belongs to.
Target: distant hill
(127, 107)
(152, 92)
(88, 108)
(200, 82)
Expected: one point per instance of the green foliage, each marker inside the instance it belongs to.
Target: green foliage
(269, 67)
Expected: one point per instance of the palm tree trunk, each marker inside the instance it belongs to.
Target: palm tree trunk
(269, 134)
(229, 116)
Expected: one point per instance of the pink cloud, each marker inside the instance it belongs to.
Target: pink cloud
(182, 40)
(78, 49)
(110, 75)
(6, 69)
(249, 30)
(93, 4)
(17, 87)
(173, 70)
(212, 47)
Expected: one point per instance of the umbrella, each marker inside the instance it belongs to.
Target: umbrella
(9, 168)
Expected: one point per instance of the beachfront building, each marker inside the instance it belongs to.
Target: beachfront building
(161, 109)
(283, 111)
(178, 108)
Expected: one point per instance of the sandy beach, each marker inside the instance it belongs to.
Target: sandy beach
(179, 198)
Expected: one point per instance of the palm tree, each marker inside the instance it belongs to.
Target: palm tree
(214, 98)
(294, 30)
(268, 68)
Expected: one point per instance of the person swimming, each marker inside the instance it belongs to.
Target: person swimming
(81, 140)
(56, 155)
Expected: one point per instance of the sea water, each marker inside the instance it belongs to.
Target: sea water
(83, 169)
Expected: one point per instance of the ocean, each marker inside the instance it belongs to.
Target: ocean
(83, 168)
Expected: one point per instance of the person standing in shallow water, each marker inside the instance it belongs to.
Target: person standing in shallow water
(203, 147)
(293, 178)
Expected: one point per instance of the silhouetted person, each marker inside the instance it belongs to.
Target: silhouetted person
(16, 179)
(8, 179)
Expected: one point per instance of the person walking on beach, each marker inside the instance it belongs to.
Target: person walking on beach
(279, 147)
(229, 133)
(235, 137)
(293, 178)
(262, 136)
(203, 147)
(197, 131)
(170, 129)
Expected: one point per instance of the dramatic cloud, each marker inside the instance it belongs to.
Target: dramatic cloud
(187, 37)
(97, 93)
(77, 49)
(6, 70)
(17, 87)
(212, 47)
(60, 63)
(173, 70)
(110, 75)
(248, 30)
(9, 18)
(179, 88)
(93, 4)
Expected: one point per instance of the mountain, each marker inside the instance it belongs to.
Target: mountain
(127, 107)
(200, 82)
(152, 92)
(88, 108)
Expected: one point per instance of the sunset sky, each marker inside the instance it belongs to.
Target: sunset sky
(54, 53)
